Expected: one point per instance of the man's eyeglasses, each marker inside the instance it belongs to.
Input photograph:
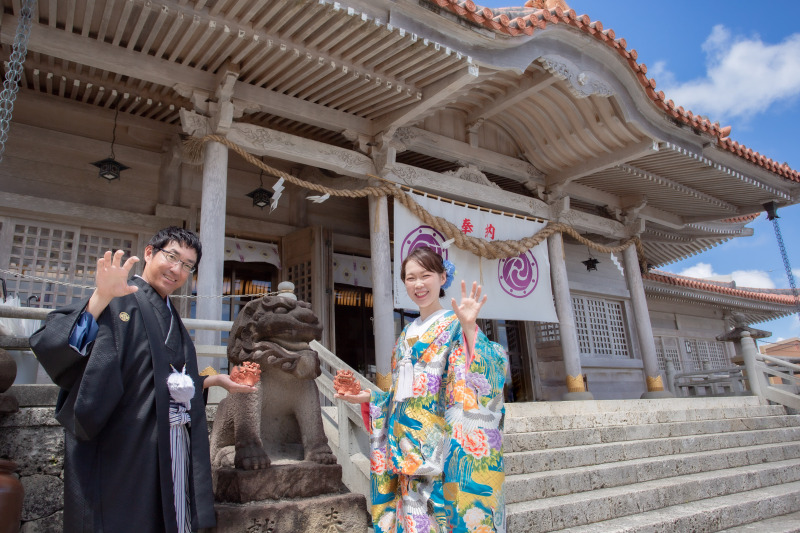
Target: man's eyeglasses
(175, 259)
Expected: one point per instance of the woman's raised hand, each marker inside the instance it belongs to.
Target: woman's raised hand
(467, 311)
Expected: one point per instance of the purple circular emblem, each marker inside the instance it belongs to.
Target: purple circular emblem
(423, 236)
(518, 276)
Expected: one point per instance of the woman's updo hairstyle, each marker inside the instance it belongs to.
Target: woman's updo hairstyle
(428, 259)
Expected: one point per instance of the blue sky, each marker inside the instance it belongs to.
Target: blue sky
(738, 63)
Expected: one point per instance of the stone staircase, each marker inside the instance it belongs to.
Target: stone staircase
(680, 465)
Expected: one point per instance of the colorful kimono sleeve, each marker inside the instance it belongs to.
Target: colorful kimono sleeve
(473, 477)
(384, 481)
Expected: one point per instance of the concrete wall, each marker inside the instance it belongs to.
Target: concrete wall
(35, 441)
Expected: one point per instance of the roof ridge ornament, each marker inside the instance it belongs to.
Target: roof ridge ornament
(582, 83)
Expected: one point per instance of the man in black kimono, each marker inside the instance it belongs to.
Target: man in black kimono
(112, 357)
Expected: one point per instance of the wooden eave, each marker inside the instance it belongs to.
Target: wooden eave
(328, 72)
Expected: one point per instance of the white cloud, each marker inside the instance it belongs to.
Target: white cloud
(753, 278)
(744, 278)
(700, 270)
(744, 75)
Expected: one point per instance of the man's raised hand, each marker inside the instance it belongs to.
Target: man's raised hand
(112, 281)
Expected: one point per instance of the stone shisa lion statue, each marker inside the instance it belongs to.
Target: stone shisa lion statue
(282, 419)
(272, 468)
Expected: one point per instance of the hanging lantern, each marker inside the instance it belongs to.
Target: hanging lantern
(260, 196)
(110, 168)
(591, 263)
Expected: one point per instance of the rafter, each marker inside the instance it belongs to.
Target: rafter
(528, 86)
(435, 94)
(603, 162)
(683, 189)
(106, 57)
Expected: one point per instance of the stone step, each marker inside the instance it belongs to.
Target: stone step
(788, 523)
(523, 487)
(551, 416)
(573, 510)
(595, 406)
(771, 509)
(541, 440)
(573, 457)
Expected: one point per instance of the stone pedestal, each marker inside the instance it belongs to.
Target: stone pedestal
(301, 479)
(287, 497)
(331, 513)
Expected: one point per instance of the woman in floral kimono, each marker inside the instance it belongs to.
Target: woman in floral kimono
(436, 435)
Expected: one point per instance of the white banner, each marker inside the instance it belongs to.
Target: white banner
(251, 251)
(352, 270)
(518, 287)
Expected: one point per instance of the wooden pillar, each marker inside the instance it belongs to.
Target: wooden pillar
(212, 236)
(566, 321)
(644, 330)
(383, 303)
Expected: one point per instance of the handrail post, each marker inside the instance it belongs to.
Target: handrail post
(343, 423)
(754, 376)
(671, 376)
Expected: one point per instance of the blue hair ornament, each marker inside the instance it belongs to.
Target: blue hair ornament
(450, 269)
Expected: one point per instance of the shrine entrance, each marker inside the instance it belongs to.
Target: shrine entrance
(355, 341)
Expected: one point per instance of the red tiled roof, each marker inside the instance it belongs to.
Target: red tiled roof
(783, 297)
(537, 15)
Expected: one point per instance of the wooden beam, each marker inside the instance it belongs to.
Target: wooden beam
(266, 142)
(69, 212)
(261, 141)
(528, 85)
(474, 193)
(631, 152)
(435, 94)
(303, 111)
(612, 201)
(441, 147)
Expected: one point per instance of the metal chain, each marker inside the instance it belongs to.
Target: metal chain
(14, 70)
(192, 296)
(786, 265)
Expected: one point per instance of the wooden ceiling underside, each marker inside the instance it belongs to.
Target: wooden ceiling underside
(322, 71)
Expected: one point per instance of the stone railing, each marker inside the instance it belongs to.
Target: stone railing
(777, 380)
(716, 382)
(351, 441)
